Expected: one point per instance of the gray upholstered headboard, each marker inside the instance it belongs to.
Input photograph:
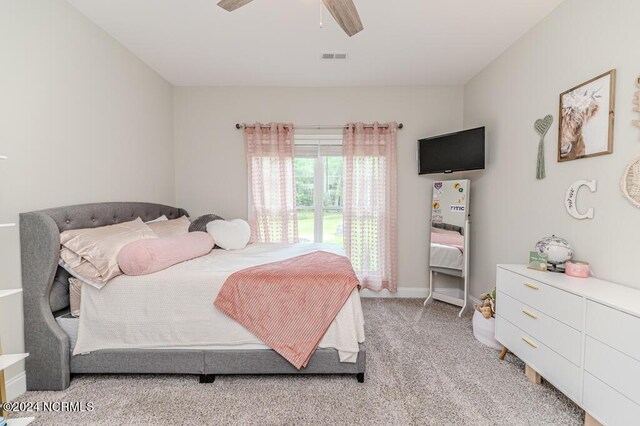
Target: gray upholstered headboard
(45, 286)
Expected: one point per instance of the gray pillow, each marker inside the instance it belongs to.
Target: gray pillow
(200, 224)
(59, 296)
(448, 227)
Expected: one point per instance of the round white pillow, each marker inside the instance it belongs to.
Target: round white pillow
(230, 234)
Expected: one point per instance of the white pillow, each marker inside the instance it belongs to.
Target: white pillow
(162, 218)
(230, 235)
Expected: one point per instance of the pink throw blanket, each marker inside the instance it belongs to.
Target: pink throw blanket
(290, 304)
(453, 240)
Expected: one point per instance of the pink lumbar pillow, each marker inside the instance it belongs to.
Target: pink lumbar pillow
(455, 240)
(144, 257)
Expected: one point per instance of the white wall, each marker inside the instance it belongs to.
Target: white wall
(81, 120)
(211, 175)
(511, 210)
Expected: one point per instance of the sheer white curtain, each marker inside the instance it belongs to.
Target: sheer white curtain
(370, 203)
(270, 155)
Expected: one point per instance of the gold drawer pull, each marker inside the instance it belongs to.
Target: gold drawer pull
(531, 286)
(529, 314)
(529, 342)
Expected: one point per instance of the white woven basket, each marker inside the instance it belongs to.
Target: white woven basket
(484, 329)
(630, 182)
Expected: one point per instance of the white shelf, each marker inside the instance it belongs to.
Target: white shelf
(23, 421)
(443, 297)
(7, 360)
(9, 292)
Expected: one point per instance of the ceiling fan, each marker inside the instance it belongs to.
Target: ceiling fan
(343, 11)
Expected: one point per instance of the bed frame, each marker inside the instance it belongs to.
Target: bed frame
(46, 295)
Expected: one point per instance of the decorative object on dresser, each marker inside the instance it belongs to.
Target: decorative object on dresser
(576, 268)
(538, 261)
(557, 250)
(636, 102)
(542, 126)
(630, 182)
(450, 230)
(571, 199)
(578, 334)
(589, 105)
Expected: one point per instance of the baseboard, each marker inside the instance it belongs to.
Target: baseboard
(407, 293)
(474, 300)
(403, 292)
(16, 386)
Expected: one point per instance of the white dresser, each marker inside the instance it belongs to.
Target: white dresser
(581, 335)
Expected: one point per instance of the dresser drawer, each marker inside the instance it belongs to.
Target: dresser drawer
(558, 304)
(554, 368)
(615, 328)
(614, 368)
(607, 405)
(556, 335)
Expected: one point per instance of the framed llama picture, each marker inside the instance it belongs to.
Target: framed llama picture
(586, 118)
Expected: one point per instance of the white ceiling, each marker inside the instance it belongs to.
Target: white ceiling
(279, 42)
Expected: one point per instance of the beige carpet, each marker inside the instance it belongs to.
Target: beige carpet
(423, 367)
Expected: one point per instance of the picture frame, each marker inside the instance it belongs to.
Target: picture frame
(538, 261)
(586, 118)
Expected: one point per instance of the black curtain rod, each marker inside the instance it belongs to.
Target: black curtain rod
(242, 126)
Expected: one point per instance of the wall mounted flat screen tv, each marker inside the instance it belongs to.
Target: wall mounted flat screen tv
(452, 152)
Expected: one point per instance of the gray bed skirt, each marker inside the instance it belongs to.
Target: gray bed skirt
(192, 361)
(46, 292)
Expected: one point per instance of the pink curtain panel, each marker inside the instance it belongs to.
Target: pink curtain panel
(370, 203)
(270, 155)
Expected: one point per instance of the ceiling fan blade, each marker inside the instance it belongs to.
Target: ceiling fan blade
(231, 5)
(345, 14)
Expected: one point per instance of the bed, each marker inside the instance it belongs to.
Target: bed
(447, 257)
(61, 345)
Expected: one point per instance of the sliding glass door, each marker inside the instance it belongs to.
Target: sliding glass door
(319, 185)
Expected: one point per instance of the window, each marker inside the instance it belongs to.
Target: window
(319, 185)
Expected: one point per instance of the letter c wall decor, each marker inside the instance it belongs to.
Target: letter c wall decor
(572, 195)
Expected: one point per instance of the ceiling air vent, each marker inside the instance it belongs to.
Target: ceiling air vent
(334, 56)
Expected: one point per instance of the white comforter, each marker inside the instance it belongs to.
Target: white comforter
(174, 308)
(444, 256)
